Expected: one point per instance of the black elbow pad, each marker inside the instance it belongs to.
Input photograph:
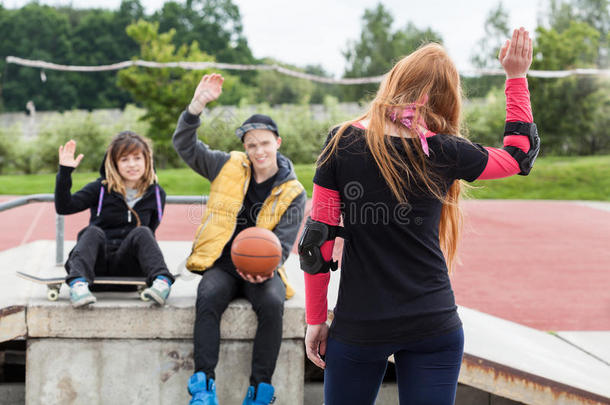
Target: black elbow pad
(313, 237)
(525, 160)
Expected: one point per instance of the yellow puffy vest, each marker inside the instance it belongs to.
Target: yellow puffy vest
(227, 193)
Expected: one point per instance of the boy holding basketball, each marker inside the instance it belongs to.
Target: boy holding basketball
(255, 188)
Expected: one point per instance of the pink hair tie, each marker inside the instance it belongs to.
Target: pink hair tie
(406, 119)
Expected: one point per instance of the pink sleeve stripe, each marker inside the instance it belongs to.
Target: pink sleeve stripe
(499, 164)
(518, 106)
(519, 141)
(316, 303)
(325, 205)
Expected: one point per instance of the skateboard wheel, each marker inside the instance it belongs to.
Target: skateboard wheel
(143, 297)
(52, 294)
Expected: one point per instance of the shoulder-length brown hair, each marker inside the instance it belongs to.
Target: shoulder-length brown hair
(125, 143)
(428, 80)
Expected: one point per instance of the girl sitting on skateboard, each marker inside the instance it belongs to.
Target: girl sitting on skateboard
(126, 205)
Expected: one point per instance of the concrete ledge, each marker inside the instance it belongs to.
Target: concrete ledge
(136, 371)
(113, 317)
(123, 351)
(12, 323)
(122, 315)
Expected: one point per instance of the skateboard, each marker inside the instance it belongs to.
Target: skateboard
(54, 283)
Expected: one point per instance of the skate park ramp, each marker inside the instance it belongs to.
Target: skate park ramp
(501, 357)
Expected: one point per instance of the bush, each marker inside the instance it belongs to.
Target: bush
(484, 119)
(302, 133)
(91, 140)
(91, 131)
(6, 150)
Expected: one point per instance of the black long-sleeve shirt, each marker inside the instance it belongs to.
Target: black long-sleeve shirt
(115, 217)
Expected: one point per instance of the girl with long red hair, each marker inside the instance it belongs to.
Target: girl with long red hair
(393, 176)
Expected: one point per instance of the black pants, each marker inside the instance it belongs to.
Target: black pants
(216, 289)
(135, 256)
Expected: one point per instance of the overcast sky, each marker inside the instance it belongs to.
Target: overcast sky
(317, 31)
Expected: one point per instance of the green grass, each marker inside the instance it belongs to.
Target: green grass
(553, 178)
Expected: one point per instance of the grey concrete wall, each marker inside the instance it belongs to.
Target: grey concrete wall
(12, 394)
(151, 372)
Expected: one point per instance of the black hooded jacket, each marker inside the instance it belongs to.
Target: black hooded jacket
(115, 217)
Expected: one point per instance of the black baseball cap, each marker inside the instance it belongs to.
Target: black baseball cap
(257, 121)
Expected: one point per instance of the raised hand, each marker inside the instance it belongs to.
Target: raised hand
(208, 89)
(516, 54)
(66, 154)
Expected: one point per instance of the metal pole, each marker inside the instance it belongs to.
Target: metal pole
(59, 240)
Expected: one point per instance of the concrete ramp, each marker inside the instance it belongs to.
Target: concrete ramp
(530, 366)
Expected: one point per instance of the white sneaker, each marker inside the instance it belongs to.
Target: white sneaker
(80, 294)
(159, 291)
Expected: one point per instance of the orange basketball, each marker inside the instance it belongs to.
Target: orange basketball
(256, 251)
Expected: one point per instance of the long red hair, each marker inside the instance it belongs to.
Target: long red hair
(429, 75)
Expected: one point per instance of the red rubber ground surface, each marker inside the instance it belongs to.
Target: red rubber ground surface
(544, 264)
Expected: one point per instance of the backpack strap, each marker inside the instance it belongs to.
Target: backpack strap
(99, 204)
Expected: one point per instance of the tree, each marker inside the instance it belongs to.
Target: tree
(214, 24)
(596, 13)
(275, 88)
(129, 12)
(379, 48)
(99, 38)
(36, 32)
(321, 91)
(166, 92)
(66, 35)
(571, 113)
(497, 31)
(567, 110)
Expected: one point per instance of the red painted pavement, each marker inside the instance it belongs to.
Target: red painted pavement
(543, 264)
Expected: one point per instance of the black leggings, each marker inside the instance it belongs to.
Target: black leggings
(216, 290)
(135, 256)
